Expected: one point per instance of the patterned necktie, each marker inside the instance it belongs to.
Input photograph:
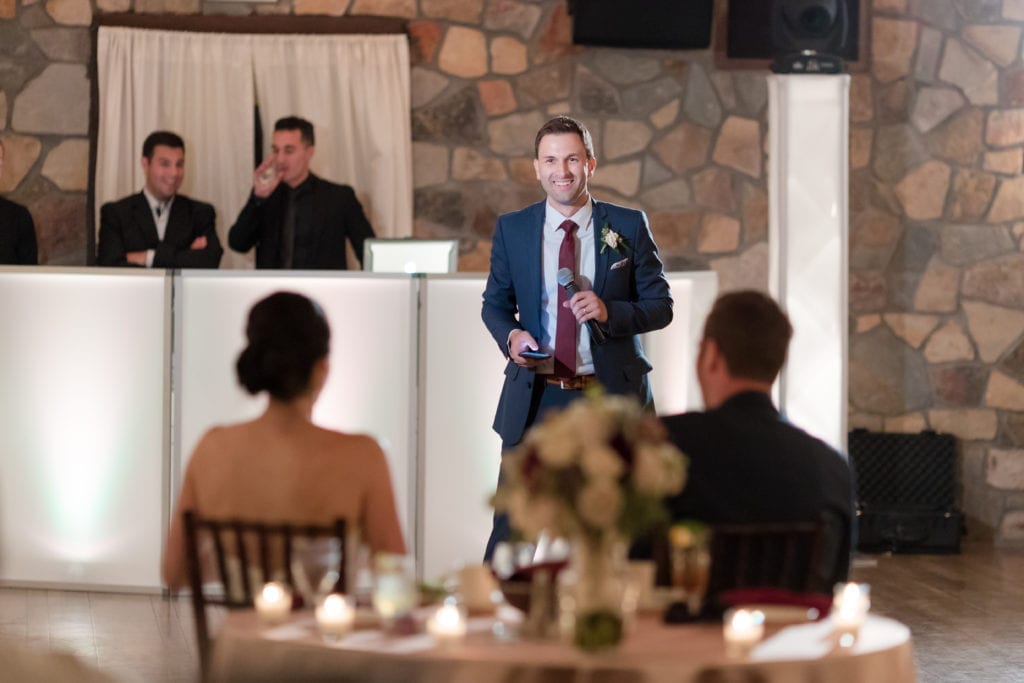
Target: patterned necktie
(567, 331)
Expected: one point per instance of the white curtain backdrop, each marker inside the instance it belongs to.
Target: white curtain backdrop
(354, 88)
(198, 85)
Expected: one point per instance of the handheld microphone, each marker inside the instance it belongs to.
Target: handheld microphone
(565, 280)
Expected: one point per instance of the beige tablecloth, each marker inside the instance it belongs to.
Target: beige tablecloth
(652, 653)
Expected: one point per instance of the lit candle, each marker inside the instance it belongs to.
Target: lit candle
(850, 606)
(274, 602)
(742, 629)
(335, 616)
(448, 624)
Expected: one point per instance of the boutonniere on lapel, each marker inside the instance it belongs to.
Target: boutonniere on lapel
(610, 238)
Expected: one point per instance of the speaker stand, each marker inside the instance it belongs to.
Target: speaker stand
(808, 184)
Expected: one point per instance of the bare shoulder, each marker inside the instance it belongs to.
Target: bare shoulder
(218, 439)
(347, 443)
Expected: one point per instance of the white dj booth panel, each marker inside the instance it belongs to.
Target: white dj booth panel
(371, 387)
(110, 378)
(84, 368)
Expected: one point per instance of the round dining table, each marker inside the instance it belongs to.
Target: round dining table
(653, 652)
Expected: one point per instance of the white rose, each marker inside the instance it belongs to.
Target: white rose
(600, 503)
(558, 447)
(601, 462)
(520, 513)
(532, 514)
(611, 238)
(590, 425)
(647, 470)
(658, 470)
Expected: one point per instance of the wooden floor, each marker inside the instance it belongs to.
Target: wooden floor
(966, 613)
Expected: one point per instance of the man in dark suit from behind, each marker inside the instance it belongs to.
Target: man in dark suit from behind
(157, 227)
(17, 231)
(294, 218)
(746, 462)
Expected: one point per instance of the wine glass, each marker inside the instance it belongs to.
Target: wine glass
(394, 587)
(316, 564)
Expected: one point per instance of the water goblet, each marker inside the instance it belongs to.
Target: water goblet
(394, 588)
(316, 567)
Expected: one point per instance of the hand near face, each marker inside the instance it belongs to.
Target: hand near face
(265, 178)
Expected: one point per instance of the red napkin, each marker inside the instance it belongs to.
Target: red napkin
(776, 596)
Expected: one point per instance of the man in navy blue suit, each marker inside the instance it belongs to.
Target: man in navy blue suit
(622, 291)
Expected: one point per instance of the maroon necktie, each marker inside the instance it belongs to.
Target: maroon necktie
(567, 330)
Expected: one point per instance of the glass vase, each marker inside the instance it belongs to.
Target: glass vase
(597, 601)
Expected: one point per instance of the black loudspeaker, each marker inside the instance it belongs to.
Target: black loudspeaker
(664, 24)
(808, 36)
(829, 28)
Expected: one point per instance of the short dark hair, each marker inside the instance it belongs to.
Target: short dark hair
(287, 334)
(752, 333)
(564, 124)
(300, 124)
(161, 137)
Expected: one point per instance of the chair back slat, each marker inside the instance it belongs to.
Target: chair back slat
(287, 535)
(243, 556)
(234, 542)
(218, 549)
(764, 555)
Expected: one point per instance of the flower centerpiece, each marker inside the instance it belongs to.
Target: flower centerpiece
(596, 473)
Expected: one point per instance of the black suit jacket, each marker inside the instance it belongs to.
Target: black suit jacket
(127, 225)
(337, 215)
(746, 464)
(17, 235)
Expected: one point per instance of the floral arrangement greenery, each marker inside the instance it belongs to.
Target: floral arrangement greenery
(601, 466)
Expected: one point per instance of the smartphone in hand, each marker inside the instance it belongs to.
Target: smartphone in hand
(536, 354)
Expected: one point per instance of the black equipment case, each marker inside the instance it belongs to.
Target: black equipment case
(906, 492)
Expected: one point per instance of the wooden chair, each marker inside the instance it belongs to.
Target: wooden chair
(245, 554)
(765, 555)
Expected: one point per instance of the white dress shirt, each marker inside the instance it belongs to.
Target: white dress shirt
(161, 211)
(584, 272)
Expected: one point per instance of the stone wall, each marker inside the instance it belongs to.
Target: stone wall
(44, 119)
(936, 149)
(937, 215)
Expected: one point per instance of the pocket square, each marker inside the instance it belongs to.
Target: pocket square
(620, 264)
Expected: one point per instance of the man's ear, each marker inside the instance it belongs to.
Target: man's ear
(713, 358)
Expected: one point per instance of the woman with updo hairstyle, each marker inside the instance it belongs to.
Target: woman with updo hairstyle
(281, 467)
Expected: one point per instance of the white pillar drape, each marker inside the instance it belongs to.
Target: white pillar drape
(205, 86)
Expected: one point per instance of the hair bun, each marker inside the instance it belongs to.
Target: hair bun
(287, 335)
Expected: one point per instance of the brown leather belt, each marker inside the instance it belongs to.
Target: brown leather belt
(576, 383)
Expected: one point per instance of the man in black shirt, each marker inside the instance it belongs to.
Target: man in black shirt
(294, 218)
